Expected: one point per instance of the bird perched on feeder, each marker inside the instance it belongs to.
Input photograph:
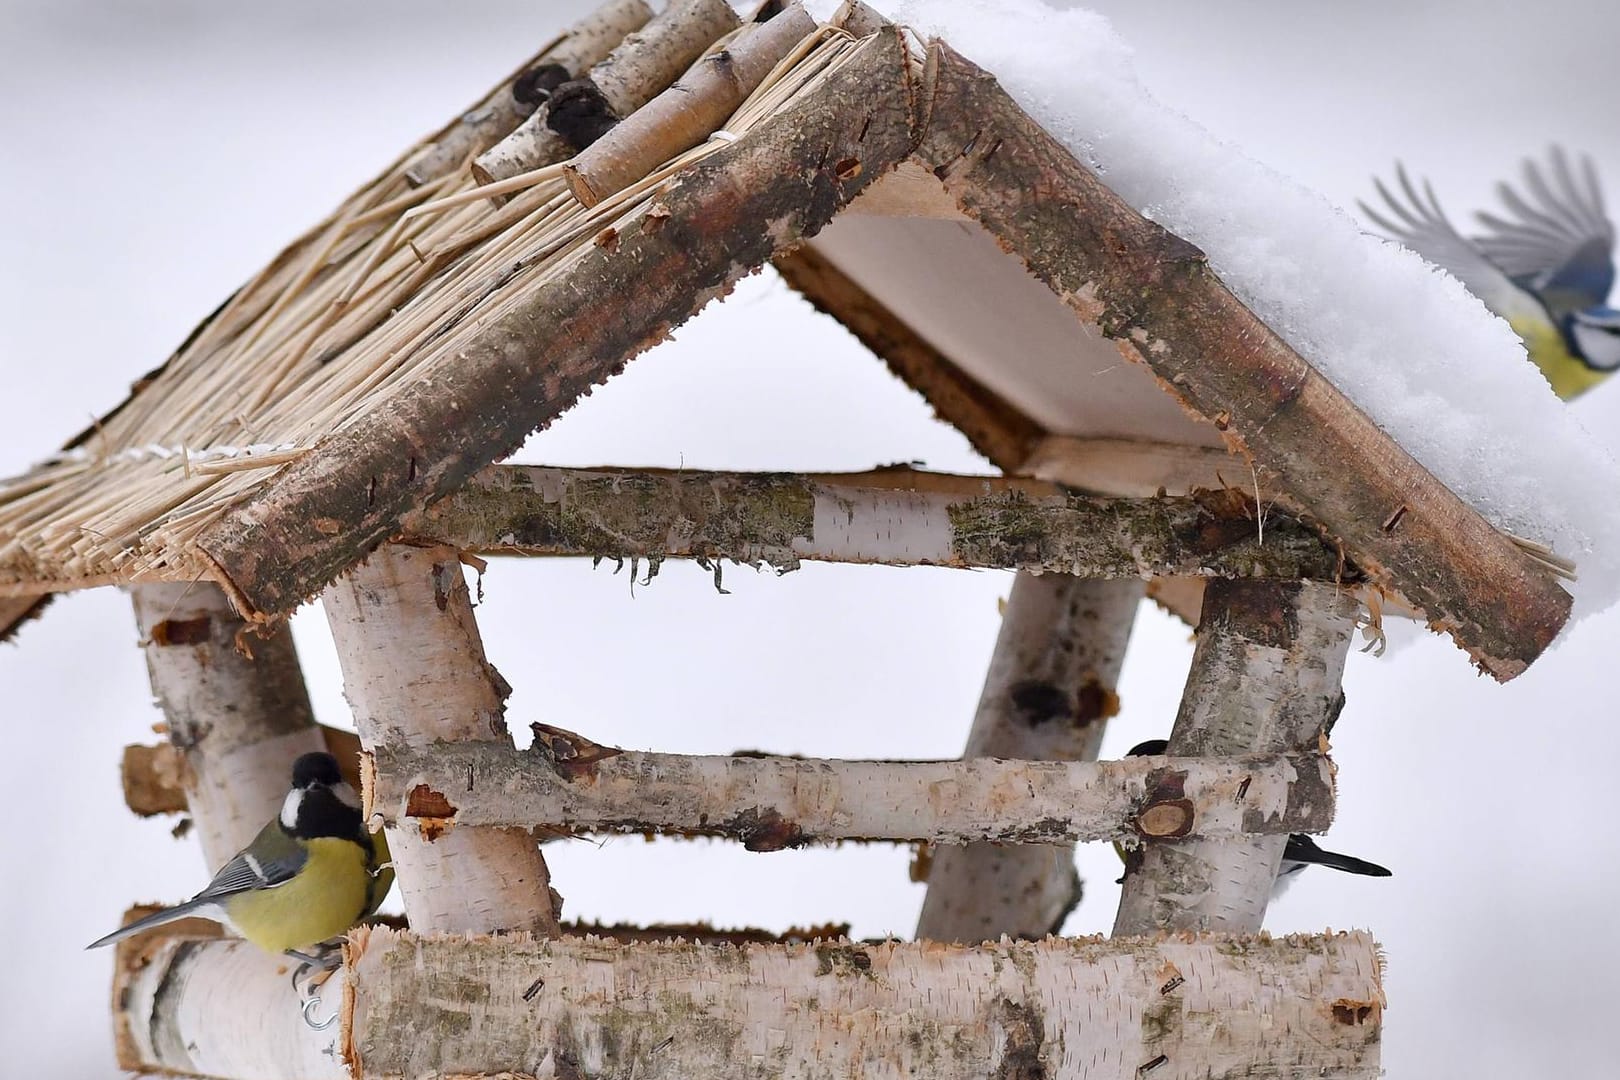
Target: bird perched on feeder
(311, 873)
(1546, 265)
(1301, 851)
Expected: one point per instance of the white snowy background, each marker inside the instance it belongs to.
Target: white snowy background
(156, 154)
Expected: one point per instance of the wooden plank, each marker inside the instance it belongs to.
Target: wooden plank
(997, 430)
(897, 517)
(769, 803)
(1155, 294)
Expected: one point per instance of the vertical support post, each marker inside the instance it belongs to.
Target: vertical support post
(1047, 696)
(236, 707)
(1265, 677)
(414, 670)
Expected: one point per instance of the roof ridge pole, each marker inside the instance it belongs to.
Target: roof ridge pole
(414, 670)
(1047, 696)
(236, 708)
(1265, 678)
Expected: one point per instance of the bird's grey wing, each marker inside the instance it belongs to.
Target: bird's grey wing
(1556, 238)
(1416, 220)
(272, 859)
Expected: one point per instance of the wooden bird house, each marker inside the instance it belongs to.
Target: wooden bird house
(339, 429)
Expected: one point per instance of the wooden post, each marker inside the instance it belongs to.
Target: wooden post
(1265, 679)
(236, 708)
(414, 671)
(1047, 696)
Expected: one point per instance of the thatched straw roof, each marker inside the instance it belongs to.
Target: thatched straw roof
(430, 324)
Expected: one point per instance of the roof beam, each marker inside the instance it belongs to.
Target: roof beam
(1156, 295)
(897, 517)
(539, 352)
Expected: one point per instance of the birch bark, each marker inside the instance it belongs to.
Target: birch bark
(1265, 678)
(1047, 696)
(414, 672)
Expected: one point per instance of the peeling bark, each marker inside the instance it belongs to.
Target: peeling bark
(414, 672)
(769, 803)
(1048, 696)
(235, 705)
(539, 352)
(1265, 679)
(899, 517)
(1156, 295)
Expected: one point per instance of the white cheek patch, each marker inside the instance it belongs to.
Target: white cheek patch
(346, 795)
(289, 808)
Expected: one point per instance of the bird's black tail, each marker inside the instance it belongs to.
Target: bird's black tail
(157, 918)
(1302, 848)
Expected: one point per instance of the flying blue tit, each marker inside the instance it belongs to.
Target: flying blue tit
(1546, 265)
(311, 873)
(1300, 852)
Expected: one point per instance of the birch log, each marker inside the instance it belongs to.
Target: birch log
(770, 803)
(688, 112)
(1265, 679)
(1059, 1009)
(235, 705)
(642, 65)
(584, 44)
(414, 672)
(899, 517)
(223, 1008)
(1047, 696)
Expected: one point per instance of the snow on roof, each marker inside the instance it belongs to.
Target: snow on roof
(1405, 341)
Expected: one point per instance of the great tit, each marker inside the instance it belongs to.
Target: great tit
(1300, 852)
(1546, 266)
(311, 873)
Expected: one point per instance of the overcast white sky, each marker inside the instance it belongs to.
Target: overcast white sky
(159, 153)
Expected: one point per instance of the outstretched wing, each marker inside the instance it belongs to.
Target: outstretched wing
(1557, 239)
(272, 859)
(1416, 220)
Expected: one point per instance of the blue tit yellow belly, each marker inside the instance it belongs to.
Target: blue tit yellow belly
(329, 894)
(1564, 370)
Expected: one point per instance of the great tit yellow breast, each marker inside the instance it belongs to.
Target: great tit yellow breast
(329, 894)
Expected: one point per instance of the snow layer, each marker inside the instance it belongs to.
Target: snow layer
(1404, 340)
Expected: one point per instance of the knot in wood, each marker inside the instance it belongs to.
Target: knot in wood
(1166, 820)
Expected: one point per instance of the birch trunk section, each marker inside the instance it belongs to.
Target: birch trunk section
(897, 517)
(235, 705)
(1047, 696)
(770, 803)
(1265, 678)
(1060, 1009)
(414, 672)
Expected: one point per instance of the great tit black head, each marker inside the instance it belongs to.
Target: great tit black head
(320, 802)
(312, 872)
